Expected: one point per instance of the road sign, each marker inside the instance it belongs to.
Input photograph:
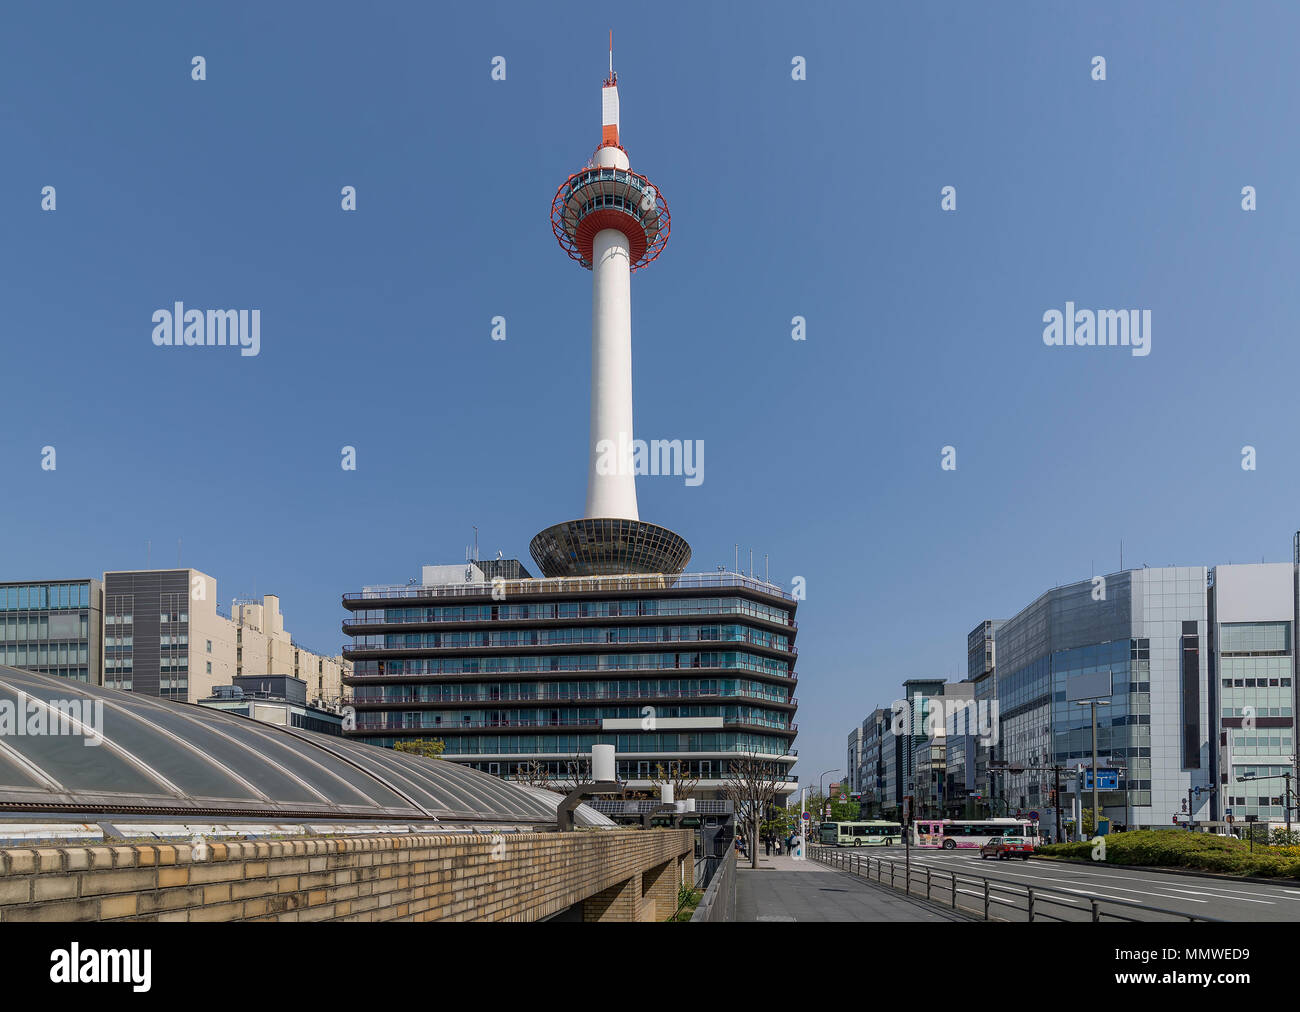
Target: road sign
(806, 815)
(1107, 780)
(1033, 816)
(1229, 818)
(844, 797)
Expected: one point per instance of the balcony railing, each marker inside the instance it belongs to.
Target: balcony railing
(473, 725)
(574, 585)
(534, 673)
(534, 748)
(568, 697)
(585, 641)
(672, 613)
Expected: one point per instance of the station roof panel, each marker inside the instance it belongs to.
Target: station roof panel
(159, 757)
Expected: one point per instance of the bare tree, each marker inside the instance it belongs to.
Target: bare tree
(676, 774)
(577, 773)
(535, 774)
(751, 785)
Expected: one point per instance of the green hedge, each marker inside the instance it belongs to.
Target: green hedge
(1180, 849)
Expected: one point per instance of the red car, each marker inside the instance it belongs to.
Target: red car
(1007, 846)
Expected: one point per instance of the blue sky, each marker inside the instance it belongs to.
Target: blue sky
(818, 198)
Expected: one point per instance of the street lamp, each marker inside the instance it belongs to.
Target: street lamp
(803, 798)
(1096, 811)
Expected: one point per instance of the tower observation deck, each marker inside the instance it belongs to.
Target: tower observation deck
(612, 221)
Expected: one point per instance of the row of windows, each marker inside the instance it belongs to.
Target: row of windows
(41, 655)
(571, 662)
(1254, 637)
(1273, 741)
(562, 637)
(43, 597)
(574, 610)
(45, 627)
(1252, 683)
(76, 674)
(622, 689)
(578, 744)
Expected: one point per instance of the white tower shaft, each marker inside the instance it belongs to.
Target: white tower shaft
(611, 482)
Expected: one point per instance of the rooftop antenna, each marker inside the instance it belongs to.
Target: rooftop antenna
(737, 557)
(766, 576)
(476, 544)
(611, 54)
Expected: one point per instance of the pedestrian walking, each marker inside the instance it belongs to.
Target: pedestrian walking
(767, 845)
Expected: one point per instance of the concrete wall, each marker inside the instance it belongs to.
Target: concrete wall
(614, 875)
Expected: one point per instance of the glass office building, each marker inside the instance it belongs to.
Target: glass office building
(1253, 688)
(1135, 641)
(694, 669)
(53, 627)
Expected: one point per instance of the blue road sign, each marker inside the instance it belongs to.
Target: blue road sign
(1107, 780)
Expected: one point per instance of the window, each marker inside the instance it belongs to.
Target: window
(209, 642)
(209, 667)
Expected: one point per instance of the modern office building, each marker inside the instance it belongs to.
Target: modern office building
(1135, 642)
(854, 767)
(695, 668)
(1252, 688)
(164, 635)
(54, 627)
(871, 772)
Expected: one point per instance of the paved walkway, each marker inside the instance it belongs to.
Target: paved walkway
(783, 889)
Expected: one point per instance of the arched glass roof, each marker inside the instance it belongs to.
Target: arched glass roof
(158, 757)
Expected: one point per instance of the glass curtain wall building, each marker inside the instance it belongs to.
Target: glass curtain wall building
(54, 627)
(692, 669)
(1136, 641)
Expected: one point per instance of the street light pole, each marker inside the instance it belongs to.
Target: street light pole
(1096, 811)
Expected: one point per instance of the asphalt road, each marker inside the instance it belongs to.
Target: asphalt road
(1072, 887)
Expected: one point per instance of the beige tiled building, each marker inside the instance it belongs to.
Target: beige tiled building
(165, 635)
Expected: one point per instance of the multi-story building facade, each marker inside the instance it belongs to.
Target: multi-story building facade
(696, 669)
(164, 635)
(1252, 688)
(871, 772)
(54, 627)
(854, 768)
(981, 671)
(264, 646)
(1133, 641)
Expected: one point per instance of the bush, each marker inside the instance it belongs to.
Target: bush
(1172, 848)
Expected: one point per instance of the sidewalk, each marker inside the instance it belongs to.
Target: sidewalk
(783, 889)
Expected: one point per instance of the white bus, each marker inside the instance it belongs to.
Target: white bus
(861, 834)
(969, 834)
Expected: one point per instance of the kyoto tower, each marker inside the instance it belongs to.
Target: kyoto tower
(613, 222)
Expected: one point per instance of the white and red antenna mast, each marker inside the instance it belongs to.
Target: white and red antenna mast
(613, 221)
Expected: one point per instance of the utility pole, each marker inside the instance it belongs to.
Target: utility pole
(1096, 810)
(1057, 771)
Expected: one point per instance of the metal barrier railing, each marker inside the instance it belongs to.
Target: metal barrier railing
(719, 902)
(956, 890)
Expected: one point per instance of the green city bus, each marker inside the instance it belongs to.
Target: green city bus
(861, 834)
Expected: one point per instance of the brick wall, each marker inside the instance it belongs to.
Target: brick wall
(621, 875)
